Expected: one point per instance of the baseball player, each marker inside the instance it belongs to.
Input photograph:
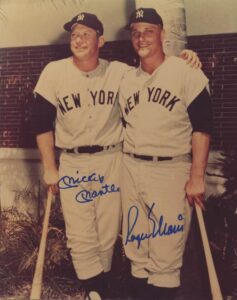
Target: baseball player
(80, 95)
(167, 112)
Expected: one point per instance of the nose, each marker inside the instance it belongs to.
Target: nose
(79, 38)
(141, 36)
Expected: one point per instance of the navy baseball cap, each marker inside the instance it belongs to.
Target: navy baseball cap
(86, 19)
(146, 15)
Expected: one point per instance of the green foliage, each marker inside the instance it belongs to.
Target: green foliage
(20, 237)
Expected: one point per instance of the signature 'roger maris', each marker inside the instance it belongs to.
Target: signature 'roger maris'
(159, 227)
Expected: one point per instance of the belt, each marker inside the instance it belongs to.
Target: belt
(179, 158)
(150, 158)
(89, 149)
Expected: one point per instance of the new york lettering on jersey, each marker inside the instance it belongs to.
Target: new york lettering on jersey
(99, 97)
(155, 109)
(153, 94)
(87, 103)
(172, 85)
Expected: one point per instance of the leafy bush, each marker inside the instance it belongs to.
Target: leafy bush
(20, 237)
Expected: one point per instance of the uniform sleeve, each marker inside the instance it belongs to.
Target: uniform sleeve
(200, 113)
(194, 82)
(44, 114)
(46, 85)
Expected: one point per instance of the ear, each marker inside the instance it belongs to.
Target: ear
(162, 35)
(101, 41)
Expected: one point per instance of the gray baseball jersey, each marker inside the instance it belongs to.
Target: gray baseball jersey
(155, 108)
(87, 102)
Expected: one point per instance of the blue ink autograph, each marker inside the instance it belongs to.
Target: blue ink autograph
(87, 196)
(84, 196)
(67, 182)
(159, 228)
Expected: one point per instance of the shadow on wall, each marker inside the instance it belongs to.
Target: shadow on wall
(129, 7)
(63, 38)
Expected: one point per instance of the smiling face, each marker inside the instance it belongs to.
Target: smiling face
(147, 39)
(85, 42)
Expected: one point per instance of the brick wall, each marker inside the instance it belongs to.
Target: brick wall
(19, 72)
(219, 56)
(20, 68)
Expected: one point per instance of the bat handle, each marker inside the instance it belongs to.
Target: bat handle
(38, 275)
(215, 287)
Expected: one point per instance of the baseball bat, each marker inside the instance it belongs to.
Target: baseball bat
(38, 275)
(214, 284)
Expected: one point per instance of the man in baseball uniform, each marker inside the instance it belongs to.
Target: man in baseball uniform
(80, 95)
(167, 111)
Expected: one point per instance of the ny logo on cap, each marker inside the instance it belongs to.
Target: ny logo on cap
(139, 14)
(80, 17)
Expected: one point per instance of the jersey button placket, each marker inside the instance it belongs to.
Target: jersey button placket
(140, 122)
(90, 110)
(90, 124)
(88, 94)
